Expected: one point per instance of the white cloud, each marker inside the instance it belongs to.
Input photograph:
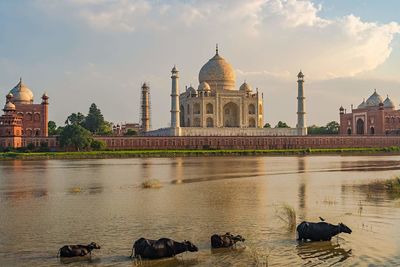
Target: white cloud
(286, 34)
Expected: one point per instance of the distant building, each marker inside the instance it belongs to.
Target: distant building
(126, 129)
(22, 118)
(217, 108)
(372, 117)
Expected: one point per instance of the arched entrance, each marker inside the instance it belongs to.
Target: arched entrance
(360, 126)
(210, 122)
(372, 130)
(231, 115)
(349, 131)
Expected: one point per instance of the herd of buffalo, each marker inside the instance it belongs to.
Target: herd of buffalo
(144, 248)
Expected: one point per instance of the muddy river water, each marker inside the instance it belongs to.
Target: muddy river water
(46, 204)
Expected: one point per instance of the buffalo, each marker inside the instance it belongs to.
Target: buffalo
(77, 250)
(320, 231)
(161, 248)
(225, 241)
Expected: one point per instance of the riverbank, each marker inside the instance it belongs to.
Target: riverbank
(192, 153)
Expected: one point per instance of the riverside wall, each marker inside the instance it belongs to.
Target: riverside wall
(249, 142)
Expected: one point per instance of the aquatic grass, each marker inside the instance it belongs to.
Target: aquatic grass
(260, 258)
(287, 214)
(153, 183)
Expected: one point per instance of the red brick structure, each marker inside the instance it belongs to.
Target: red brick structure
(249, 142)
(372, 117)
(10, 126)
(32, 118)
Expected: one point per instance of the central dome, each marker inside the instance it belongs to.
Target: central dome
(218, 73)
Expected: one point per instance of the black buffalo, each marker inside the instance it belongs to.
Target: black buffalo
(320, 231)
(161, 248)
(225, 241)
(77, 250)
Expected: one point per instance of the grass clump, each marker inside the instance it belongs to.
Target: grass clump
(154, 183)
(287, 214)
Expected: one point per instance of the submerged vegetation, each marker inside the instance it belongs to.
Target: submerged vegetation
(153, 183)
(23, 154)
(376, 189)
(287, 214)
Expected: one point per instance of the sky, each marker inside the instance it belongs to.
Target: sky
(101, 51)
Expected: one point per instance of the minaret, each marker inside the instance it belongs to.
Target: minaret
(301, 114)
(45, 115)
(145, 108)
(175, 99)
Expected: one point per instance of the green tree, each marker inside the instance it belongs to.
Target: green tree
(282, 124)
(52, 128)
(332, 127)
(267, 125)
(98, 145)
(75, 119)
(76, 137)
(131, 132)
(95, 122)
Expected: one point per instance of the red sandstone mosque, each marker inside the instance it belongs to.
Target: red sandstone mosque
(372, 117)
(23, 120)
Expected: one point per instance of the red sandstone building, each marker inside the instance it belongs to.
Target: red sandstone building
(372, 117)
(23, 120)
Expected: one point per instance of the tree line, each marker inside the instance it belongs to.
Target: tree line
(330, 128)
(78, 131)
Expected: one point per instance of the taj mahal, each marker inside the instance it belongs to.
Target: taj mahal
(218, 108)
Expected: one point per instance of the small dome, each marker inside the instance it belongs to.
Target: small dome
(45, 96)
(374, 100)
(300, 75)
(204, 86)
(217, 71)
(363, 104)
(191, 91)
(245, 87)
(9, 106)
(388, 103)
(145, 86)
(22, 94)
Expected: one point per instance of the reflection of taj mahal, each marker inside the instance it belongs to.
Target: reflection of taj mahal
(217, 108)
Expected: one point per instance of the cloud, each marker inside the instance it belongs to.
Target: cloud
(285, 34)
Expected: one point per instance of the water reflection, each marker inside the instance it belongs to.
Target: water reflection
(327, 253)
(199, 197)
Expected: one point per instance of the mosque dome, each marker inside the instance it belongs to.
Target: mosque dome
(204, 86)
(363, 104)
(22, 94)
(245, 87)
(9, 106)
(388, 103)
(218, 72)
(374, 100)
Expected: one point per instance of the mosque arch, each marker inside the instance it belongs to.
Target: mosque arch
(210, 122)
(252, 122)
(372, 130)
(231, 115)
(209, 108)
(349, 131)
(252, 109)
(360, 126)
(196, 108)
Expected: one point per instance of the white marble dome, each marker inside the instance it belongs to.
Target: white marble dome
(245, 87)
(374, 100)
(204, 86)
(217, 72)
(191, 91)
(22, 94)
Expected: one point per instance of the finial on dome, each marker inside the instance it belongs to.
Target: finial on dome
(20, 79)
(216, 49)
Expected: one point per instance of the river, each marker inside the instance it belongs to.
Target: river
(47, 204)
